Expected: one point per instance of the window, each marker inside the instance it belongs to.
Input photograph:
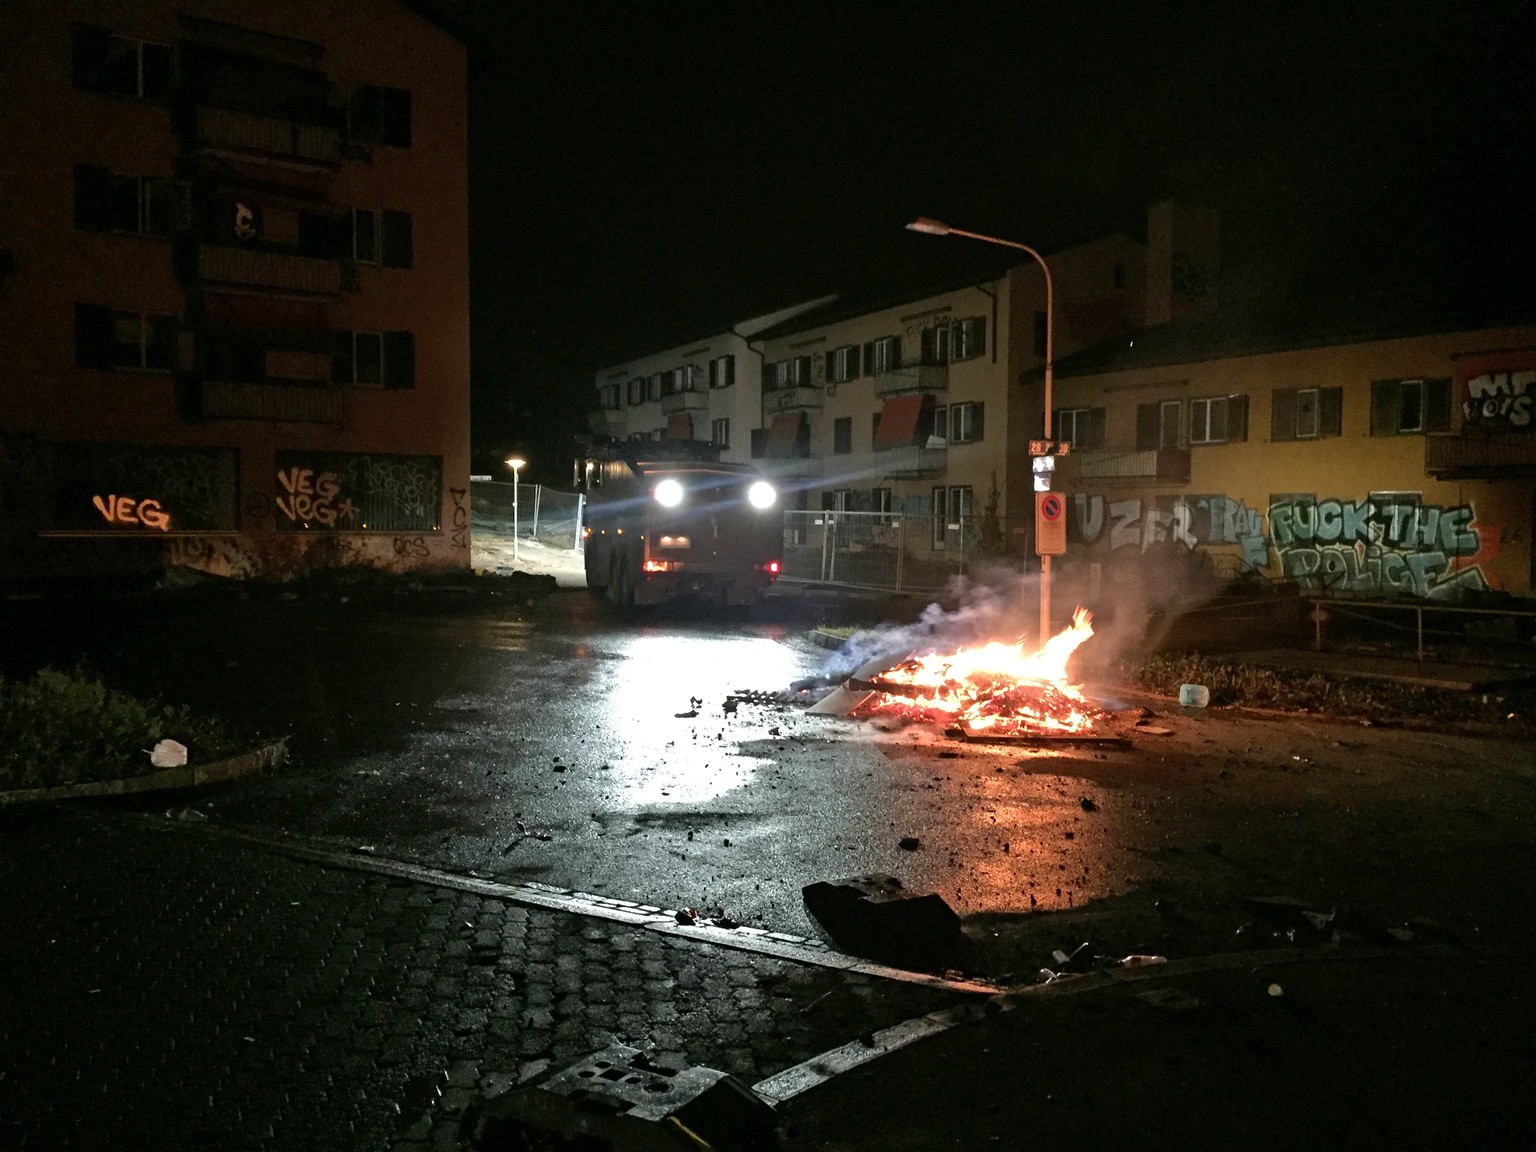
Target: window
(843, 363)
(381, 238)
(939, 424)
(655, 386)
(1160, 425)
(883, 355)
(612, 396)
(365, 235)
(1042, 333)
(683, 379)
(951, 516)
(837, 500)
(1306, 413)
(636, 390)
(133, 205)
(934, 345)
(720, 433)
(376, 359)
(356, 492)
(125, 341)
(380, 115)
(1081, 427)
(120, 65)
(881, 503)
(969, 338)
(842, 435)
(792, 373)
(722, 371)
(966, 423)
(1218, 419)
(1406, 407)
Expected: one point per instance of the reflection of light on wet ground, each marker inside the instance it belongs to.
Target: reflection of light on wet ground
(671, 759)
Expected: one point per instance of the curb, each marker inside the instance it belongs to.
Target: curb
(189, 776)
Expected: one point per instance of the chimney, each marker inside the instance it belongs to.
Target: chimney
(1182, 261)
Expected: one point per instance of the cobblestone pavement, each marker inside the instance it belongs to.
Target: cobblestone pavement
(167, 986)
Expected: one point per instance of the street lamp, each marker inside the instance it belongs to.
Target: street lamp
(516, 463)
(938, 228)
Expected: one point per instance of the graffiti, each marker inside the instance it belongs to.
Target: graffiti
(126, 510)
(222, 557)
(1500, 398)
(411, 547)
(312, 497)
(1361, 548)
(460, 517)
(1187, 520)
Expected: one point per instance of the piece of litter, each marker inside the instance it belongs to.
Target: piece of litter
(168, 754)
(1276, 991)
(1154, 730)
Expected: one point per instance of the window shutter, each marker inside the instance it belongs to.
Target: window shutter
(768, 376)
(1330, 411)
(91, 183)
(89, 46)
(980, 326)
(164, 342)
(855, 369)
(397, 252)
(341, 359)
(1148, 424)
(830, 365)
(396, 110)
(1095, 428)
(93, 336)
(978, 420)
(869, 358)
(1437, 405)
(1384, 394)
(895, 351)
(1282, 415)
(399, 360)
(1237, 419)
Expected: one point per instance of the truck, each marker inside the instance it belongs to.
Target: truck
(668, 519)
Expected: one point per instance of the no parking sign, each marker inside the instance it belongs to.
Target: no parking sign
(1050, 523)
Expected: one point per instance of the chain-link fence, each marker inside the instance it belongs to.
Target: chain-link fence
(888, 550)
(544, 514)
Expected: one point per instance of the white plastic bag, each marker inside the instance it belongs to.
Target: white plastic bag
(168, 754)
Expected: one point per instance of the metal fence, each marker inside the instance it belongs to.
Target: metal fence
(887, 550)
(545, 514)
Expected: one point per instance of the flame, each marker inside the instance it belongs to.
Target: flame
(998, 688)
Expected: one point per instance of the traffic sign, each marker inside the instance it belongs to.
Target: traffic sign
(1050, 447)
(1050, 523)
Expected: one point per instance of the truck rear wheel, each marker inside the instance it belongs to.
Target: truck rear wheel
(621, 582)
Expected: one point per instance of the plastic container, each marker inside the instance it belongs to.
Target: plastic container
(1194, 695)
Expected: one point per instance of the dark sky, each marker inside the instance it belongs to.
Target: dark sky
(646, 172)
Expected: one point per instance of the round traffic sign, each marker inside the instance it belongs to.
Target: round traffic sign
(1051, 507)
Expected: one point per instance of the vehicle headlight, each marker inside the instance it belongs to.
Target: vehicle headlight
(669, 493)
(762, 495)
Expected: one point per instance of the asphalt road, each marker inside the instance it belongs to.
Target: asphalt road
(555, 743)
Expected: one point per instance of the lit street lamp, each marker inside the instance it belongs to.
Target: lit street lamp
(516, 463)
(937, 228)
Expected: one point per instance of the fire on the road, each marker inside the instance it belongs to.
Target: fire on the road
(997, 689)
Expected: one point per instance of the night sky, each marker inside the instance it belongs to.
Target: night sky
(644, 173)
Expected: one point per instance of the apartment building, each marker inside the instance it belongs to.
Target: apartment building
(1371, 460)
(233, 288)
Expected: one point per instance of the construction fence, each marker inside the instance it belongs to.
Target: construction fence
(536, 512)
(893, 551)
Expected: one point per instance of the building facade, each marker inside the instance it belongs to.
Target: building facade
(1378, 467)
(234, 300)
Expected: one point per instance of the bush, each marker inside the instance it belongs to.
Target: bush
(68, 728)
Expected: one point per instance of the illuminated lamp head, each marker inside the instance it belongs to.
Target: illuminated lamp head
(762, 495)
(669, 493)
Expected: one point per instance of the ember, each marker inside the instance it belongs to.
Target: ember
(998, 689)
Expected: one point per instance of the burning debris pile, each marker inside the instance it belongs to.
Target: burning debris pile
(997, 689)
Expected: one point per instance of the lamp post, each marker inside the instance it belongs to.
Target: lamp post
(938, 228)
(516, 463)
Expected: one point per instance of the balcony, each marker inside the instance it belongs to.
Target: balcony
(685, 401)
(798, 399)
(608, 422)
(246, 136)
(1170, 465)
(255, 270)
(1482, 456)
(270, 400)
(915, 378)
(910, 461)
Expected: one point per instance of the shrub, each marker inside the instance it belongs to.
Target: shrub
(68, 727)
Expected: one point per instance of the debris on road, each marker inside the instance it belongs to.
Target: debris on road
(1141, 960)
(1086, 804)
(877, 917)
(909, 843)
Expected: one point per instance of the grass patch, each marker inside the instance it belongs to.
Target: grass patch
(61, 728)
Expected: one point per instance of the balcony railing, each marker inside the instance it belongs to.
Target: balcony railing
(267, 136)
(1480, 456)
(909, 460)
(1167, 464)
(800, 399)
(269, 400)
(793, 468)
(686, 401)
(913, 378)
(279, 271)
(607, 421)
